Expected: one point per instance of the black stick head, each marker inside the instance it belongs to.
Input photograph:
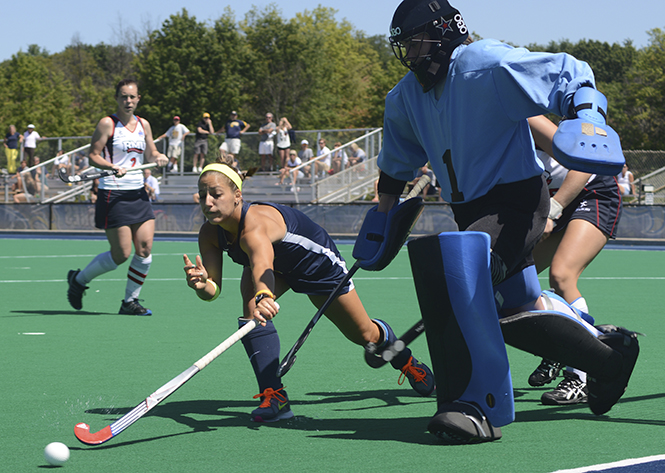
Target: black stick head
(63, 175)
(285, 365)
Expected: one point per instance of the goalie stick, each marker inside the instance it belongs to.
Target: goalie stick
(96, 174)
(378, 359)
(82, 430)
(290, 357)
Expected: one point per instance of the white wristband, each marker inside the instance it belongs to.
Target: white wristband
(556, 209)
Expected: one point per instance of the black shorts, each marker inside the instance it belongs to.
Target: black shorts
(513, 215)
(599, 203)
(121, 208)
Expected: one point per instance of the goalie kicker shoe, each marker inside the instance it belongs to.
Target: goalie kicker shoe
(546, 372)
(572, 390)
(75, 290)
(604, 392)
(133, 308)
(275, 406)
(462, 422)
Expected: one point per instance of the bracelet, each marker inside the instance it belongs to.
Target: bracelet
(556, 209)
(217, 290)
(262, 294)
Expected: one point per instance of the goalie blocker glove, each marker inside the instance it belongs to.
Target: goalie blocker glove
(383, 235)
(584, 141)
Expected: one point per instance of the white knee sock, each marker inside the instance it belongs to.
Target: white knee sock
(102, 263)
(581, 305)
(138, 271)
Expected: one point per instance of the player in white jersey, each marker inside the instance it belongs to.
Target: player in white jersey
(120, 142)
(584, 213)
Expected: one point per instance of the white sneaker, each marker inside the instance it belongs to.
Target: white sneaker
(175, 168)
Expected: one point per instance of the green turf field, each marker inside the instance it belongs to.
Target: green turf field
(61, 367)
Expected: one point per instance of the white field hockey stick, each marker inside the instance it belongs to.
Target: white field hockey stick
(82, 430)
(96, 174)
(290, 357)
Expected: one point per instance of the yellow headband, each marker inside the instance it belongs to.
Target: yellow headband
(227, 170)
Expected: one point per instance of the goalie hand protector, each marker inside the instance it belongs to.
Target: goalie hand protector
(585, 142)
(382, 235)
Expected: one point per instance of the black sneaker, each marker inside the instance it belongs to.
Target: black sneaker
(75, 290)
(572, 390)
(133, 308)
(604, 393)
(462, 422)
(546, 372)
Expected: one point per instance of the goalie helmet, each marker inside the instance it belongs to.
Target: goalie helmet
(423, 34)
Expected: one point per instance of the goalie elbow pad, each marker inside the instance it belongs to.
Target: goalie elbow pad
(586, 143)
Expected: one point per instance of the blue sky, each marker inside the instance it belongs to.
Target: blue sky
(52, 25)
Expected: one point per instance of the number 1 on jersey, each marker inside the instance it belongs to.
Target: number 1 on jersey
(457, 195)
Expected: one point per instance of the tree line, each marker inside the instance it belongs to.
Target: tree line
(319, 72)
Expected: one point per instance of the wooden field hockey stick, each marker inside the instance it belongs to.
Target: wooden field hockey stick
(96, 174)
(82, 430)
(290, 357)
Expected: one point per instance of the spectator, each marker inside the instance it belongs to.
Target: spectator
(81, 162)
(12, 141)
(283, 140)
(61, 161)
(323, 165)
(203, 129)
(625, 179)
(151, 185)
(27, 188)
(176, 134)
(267, 134)
(234, 128)
(30, 138)
(340, 160)
(305, 154)
(288, 170)
(356, 156)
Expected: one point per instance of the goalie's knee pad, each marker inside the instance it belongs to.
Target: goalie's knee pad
(452, 278)
(518, 290)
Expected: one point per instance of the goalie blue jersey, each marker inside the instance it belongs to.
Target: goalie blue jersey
(476, 134)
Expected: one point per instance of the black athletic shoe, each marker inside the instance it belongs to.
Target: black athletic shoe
(572, 390)
(133, 308)
(546, 372)
(462, 422)
(604, 393)
(75, 290)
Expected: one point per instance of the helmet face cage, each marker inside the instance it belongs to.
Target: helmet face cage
(414, 48)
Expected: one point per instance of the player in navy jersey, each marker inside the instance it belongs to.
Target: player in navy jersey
(463, 107)
(280, 248)
(123, 210)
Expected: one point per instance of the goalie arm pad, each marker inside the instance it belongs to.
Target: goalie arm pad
(584, 142)
(383, 235)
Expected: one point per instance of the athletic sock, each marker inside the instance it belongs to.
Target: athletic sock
(262, 347)
(102, 263)
(136, 274)
(581, 305)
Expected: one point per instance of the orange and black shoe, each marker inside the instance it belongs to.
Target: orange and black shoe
(419, 375)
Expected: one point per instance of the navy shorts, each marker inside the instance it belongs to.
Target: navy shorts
(599, 203)
(121, 208)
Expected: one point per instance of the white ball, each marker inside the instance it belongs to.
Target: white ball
(56, 453)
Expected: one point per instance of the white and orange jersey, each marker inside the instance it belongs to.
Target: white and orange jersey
(555, 173)
(125, 148)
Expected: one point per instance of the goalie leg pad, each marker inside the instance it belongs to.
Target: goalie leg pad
(518, 290)
(452, 278)
(383, 235)
(556, 336)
